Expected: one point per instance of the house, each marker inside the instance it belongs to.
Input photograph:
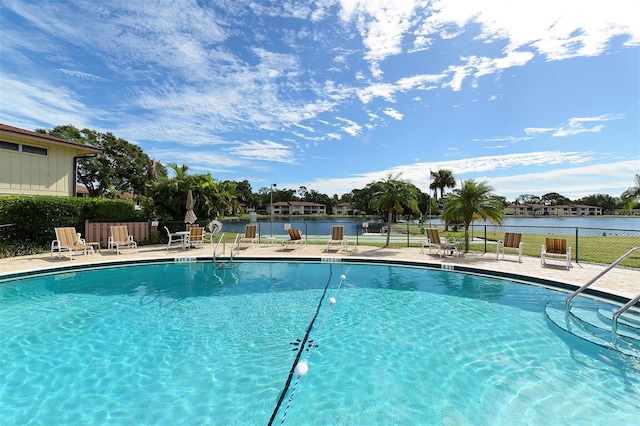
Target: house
(579, 210)
(298, 207)
(33, 163)
(528, 210)
(345, 209)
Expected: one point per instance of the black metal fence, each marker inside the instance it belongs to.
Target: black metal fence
(590, 245)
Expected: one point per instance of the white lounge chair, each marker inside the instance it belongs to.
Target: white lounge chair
(295, 238)
(337, 238)
(250, 235)
(120, 238)
(433, 240)
(555, 249)
(68, 239)
(512, 241)
(196, 236)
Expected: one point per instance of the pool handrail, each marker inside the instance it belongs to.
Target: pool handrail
(597, 277)
(215, 247)
(616, 315)
(235, 246)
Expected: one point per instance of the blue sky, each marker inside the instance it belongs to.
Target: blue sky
(531, 96)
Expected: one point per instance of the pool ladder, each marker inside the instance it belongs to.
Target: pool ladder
(616, 315)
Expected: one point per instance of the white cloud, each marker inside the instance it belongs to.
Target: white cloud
(418, 173)
(52, 105)
(538, 130)
(81, 75)
(576, 125)
(393, 113)
(266, 151)
(351, 127)
(574, 182)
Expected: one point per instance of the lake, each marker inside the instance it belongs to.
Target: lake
(539, 225)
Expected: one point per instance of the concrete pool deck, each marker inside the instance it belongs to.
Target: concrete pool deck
(620, 282)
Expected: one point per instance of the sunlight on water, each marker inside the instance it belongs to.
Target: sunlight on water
(186, 344)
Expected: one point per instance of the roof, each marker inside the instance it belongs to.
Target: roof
(298, 203)
(41, 137)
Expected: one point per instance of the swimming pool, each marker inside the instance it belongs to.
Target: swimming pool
(187, 343)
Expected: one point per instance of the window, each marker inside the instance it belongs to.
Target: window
(34, 150)
(9, 146)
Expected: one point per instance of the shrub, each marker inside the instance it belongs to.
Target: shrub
(35, 217)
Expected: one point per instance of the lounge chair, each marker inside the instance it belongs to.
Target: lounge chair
(555, 249)
(433, 240)
(120, 238)
(295, 238)
(68, 239)
(512, 241)
(174, 237)
(196, 236)
(337, 238)
(250, 235)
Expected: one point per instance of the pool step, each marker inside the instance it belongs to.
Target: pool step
(592, 324)
(630, 318)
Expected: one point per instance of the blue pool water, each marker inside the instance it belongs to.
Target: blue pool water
(182, 343)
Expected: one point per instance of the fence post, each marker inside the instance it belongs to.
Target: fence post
(577, 245)
(408, 244)
(485, 239)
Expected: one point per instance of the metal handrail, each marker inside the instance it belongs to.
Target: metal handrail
(215, 247)
(597, 277)
(614, 325)
(234, 247)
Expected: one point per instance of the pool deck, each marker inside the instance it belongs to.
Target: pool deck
(621, 282)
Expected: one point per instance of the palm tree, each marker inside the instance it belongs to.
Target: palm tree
(631, 196)
(392, 194)
(474, 200)
(219, 196)
(442, 179)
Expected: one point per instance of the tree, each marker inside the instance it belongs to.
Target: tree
(122, 166)
(631, 196)
(393, 194)
(245, 196)
(219, 197)
(474, 200)
(527, 199)
(605, 201)
(169, 194)
(442, 179)
(554, 199)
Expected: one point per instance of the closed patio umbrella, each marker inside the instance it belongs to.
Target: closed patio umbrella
(190, 217)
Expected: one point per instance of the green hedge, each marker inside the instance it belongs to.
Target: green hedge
(35, 217)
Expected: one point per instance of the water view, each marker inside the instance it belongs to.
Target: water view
(354, 225)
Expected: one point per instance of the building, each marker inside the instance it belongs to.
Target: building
(33, 163)
(298, 207)
(347, 209)
(529, 210)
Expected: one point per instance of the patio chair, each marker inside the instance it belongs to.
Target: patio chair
(196, 236)
(337, 238)
(120, 238)
(295, 238)
(250, 235)
(174, 237)
(68, 239)
(433, 240)
(512, 241)
(555, 249)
